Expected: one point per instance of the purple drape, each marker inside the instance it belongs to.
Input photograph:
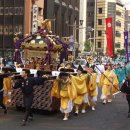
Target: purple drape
(126, 44)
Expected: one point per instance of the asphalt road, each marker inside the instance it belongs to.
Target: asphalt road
(112, 116)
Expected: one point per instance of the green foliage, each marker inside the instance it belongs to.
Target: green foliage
(121, 52)
(87, 46)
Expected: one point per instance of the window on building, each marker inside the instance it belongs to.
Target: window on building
(99, 21)
(1, 10)
(118, 13)
(90, 14)
(16, 29)
(91, 4)
(1, 20)
(100, 10)
(10, 30)
(21, 10)
(1, 2)
(1, 30)
(6, 11)
(8, 2)
(99, 33)
(117, 45)
(19, 3)
(20, 28)
(118, 23)
(92, 24)
(118, 34)
(99, 45)
(11, 11)
(16, 10)
(6, 30)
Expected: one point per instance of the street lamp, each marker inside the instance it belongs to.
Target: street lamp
(90, 38)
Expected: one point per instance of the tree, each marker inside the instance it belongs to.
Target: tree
(121, 52)
(87, 46)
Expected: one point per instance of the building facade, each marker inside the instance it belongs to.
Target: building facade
(11, 22)
(116, 10)
(15, 18)
(119, 26)
(127, 25)
(64, 15)
(90, 18)
(83, 26)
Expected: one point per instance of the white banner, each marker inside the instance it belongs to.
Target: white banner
(34, 18)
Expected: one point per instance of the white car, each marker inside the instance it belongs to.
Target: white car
(81, 62)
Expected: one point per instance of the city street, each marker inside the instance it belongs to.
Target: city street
(61, 49)
(112, 116)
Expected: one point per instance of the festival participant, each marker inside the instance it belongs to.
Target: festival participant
(100, 69)
(26, 84)
(66, 91)
(2, 96)
(81, 83)
(121, 73)
(92, 89)
(125, 88)
(62, 66)
(109, 85)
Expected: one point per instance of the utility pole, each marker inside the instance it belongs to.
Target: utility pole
(74, 34)
(95, 18)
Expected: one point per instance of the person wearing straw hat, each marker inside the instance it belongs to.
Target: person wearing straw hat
(66, 91)
(81, 83)
(2, 96)
(110, 84)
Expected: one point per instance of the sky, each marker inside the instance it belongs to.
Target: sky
(126, 3)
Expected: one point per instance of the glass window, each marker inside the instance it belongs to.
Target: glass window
(117, 45)
(21, 10)
(9, 2)
(6, 30)
(6, 11)
(11, 11)
(10, 30)
(1, 43)
(8, 40)
(8, 19)
(16, 29)
(1, 2)
(19, 2)
(118, 23)
(99, 21)
(1, 30)
(16, 10)
(99, 45)
(20, 28)
(100, 10)
(99, 33)
(1, 10)
(118, 34)
(118, 13)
